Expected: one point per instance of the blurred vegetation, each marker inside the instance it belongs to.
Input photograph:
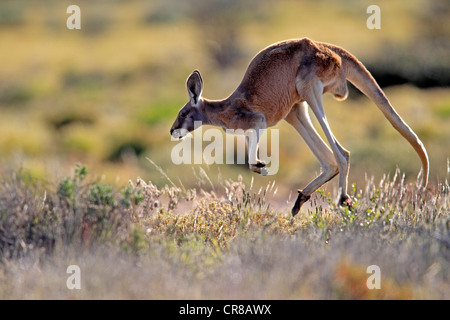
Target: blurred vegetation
(106, 95)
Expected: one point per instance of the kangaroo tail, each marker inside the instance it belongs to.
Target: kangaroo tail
(361, 78)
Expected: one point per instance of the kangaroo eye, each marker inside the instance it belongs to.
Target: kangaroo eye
(183, 114)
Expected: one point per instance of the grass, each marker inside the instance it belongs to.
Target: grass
(106, 96)
(142, 241)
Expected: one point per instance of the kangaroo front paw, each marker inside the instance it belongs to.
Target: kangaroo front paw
(259, 168)
(301, 199)
(260, 164)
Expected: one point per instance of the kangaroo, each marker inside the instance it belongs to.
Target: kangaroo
(281, 82)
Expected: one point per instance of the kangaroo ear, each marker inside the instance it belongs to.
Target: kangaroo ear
(195, 87)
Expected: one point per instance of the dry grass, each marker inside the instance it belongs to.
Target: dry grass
(131, 244)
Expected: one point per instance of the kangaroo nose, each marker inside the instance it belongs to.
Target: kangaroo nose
(171, 131)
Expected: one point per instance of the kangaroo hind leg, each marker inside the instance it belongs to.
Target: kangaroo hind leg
(300, 120)
(341, 155)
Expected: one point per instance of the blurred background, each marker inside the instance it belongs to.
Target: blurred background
(106, 95)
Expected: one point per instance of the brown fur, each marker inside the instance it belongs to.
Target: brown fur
(278, 83)
(274, 68)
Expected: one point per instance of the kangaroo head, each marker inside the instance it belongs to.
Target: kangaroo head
(191, 112)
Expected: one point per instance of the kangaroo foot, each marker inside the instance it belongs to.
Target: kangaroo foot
(259, 168)
(301, 199)
(346, 201)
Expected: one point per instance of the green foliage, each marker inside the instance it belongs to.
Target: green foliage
(101, 194)
(443, 110)
(131, 196)
(161, 110)
(68, 187)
